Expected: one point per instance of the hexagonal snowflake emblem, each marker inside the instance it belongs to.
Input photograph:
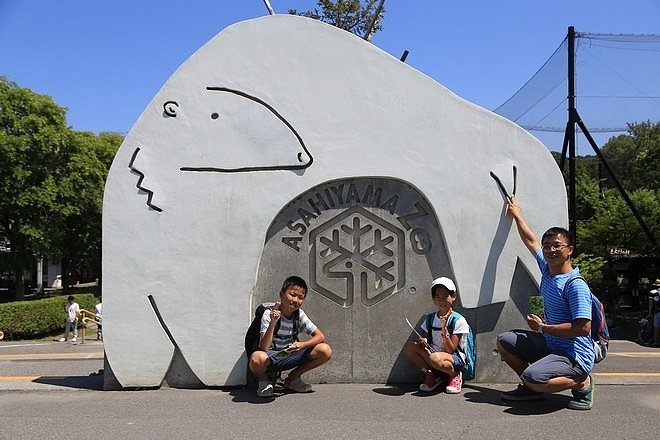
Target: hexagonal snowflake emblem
(362, 251)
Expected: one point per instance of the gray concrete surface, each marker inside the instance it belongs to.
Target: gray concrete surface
(53, 390)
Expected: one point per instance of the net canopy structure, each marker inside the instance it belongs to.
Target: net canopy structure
(593, 84)
(616, 82)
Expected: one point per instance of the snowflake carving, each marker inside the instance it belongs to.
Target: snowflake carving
(364, 250)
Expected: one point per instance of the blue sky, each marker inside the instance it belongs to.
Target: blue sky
(105, 60)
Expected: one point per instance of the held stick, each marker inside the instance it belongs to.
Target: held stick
(420, 336)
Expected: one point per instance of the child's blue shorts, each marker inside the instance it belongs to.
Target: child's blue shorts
(458, 361)
(277, 364)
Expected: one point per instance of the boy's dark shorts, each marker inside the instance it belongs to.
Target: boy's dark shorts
(296, 359)
(530, 346)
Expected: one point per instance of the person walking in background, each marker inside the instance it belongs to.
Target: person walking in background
(654, 312)
(98, 311)
(72, 310)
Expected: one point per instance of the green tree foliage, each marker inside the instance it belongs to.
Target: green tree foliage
(594, 270)
(33, 133)
(635, 157)
(350, 15)
(77, 215)
(36, 319)
(604, 219)
(613, 225)
(51, 183)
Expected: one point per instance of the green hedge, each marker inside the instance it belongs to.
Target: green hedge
(39, 318)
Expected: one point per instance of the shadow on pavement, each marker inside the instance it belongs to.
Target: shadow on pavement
(479, 394)
(92, 382)
(249, 394)
(401, 389)
(551, 403)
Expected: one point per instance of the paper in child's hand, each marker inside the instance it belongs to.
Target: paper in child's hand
(283, 354)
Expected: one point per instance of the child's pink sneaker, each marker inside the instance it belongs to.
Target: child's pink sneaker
(455, 383)
(430, 382)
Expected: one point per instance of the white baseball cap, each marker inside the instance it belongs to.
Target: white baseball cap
(443, 281)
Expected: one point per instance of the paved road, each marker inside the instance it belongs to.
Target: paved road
(52, 391)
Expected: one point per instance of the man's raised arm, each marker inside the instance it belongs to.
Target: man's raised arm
(526, 234)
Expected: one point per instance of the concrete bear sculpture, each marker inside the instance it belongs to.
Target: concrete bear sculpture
(266, 111)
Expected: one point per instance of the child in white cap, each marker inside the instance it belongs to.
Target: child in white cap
(440, 350)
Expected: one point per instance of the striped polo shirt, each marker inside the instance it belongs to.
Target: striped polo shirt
(560, 308)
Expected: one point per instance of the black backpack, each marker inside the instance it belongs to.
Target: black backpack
(253, 332)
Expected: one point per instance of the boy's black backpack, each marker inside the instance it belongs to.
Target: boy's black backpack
(600, 334)
(469, 370)
(253, 332)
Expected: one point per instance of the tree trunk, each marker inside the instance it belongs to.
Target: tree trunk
(19, 283)
(65, 264)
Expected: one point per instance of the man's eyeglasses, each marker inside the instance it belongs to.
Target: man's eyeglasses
(553, 247)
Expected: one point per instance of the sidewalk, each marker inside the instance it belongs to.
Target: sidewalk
(45, 385)
(46, 365)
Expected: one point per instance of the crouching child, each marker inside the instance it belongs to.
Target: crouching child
(441, 350)
(279, 347)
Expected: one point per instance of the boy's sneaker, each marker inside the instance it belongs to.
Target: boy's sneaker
(265, 388)
(521, 393)
(62, 340)
(583, 399)
(431, 382)
(455, 383)
(297, 385)
(74, 339)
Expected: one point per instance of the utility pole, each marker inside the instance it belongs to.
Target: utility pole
(269, 7)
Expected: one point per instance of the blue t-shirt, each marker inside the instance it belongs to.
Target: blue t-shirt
(560, 308)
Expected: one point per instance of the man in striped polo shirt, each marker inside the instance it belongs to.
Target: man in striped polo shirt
(556, 354)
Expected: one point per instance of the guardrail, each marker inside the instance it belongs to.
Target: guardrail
(89, 317)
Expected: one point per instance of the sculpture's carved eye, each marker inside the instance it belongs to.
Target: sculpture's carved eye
(170, 108)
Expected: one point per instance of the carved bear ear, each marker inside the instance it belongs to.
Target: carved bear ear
(505, 193)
